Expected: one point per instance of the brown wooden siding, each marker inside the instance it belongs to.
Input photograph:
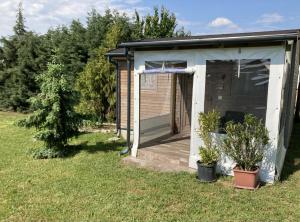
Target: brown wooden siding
(154, 102)
(123, 93)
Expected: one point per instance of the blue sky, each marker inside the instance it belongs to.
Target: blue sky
(199, 17)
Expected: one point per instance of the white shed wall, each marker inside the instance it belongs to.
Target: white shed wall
(289, 85)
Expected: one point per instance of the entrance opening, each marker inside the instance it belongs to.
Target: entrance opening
(165, 105)
(165, 114)
(165, 119)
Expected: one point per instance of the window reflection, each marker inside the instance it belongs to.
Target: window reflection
(237, 87)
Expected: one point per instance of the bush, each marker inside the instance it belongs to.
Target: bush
(47, 153)
(246, 142)
(208, 124)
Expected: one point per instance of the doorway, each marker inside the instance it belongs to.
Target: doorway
(183, 91)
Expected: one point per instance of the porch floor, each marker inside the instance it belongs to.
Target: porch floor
(169, 153)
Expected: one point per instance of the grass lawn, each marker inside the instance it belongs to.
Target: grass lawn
(93, 185)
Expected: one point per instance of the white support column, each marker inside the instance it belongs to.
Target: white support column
(197, 107)
(136, 114)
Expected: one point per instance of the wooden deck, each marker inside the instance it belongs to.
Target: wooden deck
(169, 153)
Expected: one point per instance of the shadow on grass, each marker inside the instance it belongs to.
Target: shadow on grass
(292, 159)
(106, 146)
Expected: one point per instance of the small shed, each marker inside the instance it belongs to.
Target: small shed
(163, 84)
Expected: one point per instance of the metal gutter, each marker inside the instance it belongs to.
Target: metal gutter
(128, 58)
(128, 148)
(117, 94)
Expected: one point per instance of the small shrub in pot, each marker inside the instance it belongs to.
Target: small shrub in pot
(209, 153)
(245, 143)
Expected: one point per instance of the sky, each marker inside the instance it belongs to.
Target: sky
(197, 16)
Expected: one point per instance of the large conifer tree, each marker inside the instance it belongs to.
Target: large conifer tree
(20, 66)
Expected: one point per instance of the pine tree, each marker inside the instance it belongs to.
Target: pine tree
(53, 117)
(21, 63)
(19, 27)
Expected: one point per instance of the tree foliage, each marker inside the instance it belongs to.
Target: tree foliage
(97, 82)
(20, 65)
(161, 24)
(80, 49)
(19, 27)
(54, 117)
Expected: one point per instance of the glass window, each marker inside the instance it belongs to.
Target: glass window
(175, 64)
(149, 81)
(149, 65)
(160, 65)
(237, 87)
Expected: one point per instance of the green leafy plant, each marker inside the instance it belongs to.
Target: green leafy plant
(208, 124)
(54, 117)
(246, 142)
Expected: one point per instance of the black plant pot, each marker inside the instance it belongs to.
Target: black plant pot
(207, 173)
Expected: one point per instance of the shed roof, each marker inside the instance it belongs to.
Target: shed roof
(267, 36)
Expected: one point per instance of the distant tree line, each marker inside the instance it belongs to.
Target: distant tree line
(80, 50)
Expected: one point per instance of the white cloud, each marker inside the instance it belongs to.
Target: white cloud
(222, 22)
(40, 15)
(270, 18)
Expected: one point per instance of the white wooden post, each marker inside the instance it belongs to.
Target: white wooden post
(136, 114)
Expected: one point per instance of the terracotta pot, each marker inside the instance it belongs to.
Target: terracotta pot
(245, 179)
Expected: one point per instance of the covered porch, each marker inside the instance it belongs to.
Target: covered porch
(165, 104)
(169, 153)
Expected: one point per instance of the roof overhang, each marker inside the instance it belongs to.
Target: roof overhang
(118, 52)
(206, 40)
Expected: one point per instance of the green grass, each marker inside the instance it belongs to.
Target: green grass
(93, 185)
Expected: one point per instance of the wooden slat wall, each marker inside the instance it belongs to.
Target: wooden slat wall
(123, 92)
(153, 102)
(157, 102)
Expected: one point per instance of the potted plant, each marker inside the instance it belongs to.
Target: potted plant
(209, 153)
(245, 143)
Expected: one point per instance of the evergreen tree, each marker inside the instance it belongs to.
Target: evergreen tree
(69, 46)
(79, 49)
(20, 61)
(97, 27)
(96, 83)
(19, 27)
(53, 117)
